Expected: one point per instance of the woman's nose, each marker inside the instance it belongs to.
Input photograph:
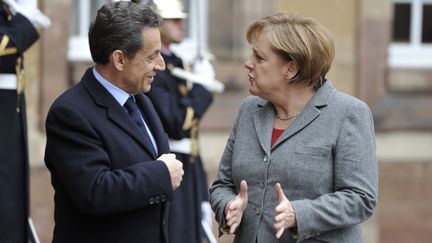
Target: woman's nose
(248, 64)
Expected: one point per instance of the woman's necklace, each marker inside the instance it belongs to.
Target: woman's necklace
(287, 118)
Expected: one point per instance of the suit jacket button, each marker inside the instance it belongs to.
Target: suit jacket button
(157, 199)
(265, 158)
(257, 211)
(151, 201)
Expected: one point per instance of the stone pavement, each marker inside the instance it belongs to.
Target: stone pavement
(42, 192)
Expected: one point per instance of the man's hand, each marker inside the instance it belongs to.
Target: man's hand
(235, 208)
(175, 168)
(285, 216)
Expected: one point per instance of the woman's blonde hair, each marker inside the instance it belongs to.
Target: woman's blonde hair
(301, 39)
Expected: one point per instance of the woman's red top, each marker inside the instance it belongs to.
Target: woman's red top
(275, 135)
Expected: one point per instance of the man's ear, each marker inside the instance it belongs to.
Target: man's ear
(291, 70)
(118, 59)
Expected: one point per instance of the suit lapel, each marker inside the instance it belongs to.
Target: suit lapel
(311, 111)
(115, 112)
(154, 123)
(263, 117)
(263, 122)
(121, 119)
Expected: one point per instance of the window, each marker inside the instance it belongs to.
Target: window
(411, 45)
(401, 23)
(84, 11)
(427, 24)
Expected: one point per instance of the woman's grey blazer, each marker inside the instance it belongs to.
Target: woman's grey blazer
(325, 162)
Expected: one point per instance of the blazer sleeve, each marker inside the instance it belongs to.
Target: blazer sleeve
(356, 179)
(76, 155)
(223, 188)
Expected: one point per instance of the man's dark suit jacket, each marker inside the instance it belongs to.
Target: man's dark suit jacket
(108, 186)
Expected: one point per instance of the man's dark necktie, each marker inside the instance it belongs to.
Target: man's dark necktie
(137, 117)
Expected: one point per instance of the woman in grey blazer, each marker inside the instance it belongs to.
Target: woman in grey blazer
(300, 164)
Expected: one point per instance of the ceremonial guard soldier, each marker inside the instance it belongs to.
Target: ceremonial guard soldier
(181, 105)
(17, 34)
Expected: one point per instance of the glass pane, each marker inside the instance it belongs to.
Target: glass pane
(427, 24)
(402, 22)
(74, 24)
(94, 7)
(187, 24)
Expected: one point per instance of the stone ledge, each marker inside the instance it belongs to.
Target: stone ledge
(404, 146)
(404, 111)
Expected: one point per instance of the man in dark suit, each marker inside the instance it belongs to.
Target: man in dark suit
(106, 147)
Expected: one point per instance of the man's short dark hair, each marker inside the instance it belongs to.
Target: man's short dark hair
(119, 26)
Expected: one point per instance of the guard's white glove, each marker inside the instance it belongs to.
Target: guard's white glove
(206, 214)
(204, 70)
(202, 73)
(30, 11)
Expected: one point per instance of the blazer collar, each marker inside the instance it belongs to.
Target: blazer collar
(115, 112)
(322, 96)
(263, 117)
(263, 122)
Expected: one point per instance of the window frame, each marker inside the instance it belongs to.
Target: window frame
(78, 46)
(413, 54)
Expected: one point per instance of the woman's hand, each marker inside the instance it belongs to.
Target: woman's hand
(235, 208)
(285, 215)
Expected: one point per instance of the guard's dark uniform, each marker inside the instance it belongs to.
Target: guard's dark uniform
(16, 35)
(180, 110)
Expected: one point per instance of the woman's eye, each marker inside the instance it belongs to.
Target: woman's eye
(259, 58)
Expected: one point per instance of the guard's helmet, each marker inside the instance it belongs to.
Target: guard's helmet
(170, 9)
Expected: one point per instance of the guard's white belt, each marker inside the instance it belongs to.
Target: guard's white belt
(8, 81)
(183, 146)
